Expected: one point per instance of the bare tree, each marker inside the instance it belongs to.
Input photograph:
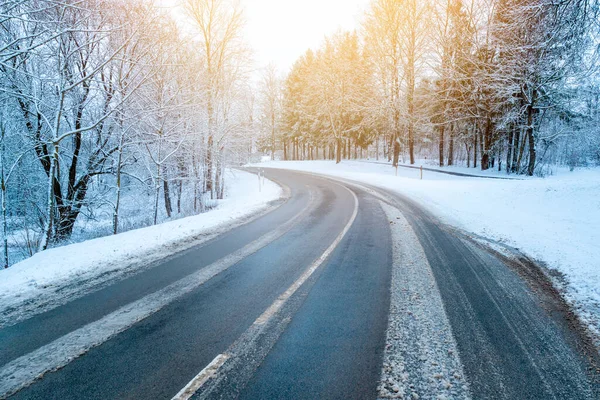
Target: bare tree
(219, 24)
(270, 107)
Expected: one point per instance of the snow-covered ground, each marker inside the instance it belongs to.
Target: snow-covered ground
(555, 220)
(37, 280)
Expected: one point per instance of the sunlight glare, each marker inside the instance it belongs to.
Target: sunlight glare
(281, 31)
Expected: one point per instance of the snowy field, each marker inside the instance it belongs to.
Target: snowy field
(40, 279)
(554, 220)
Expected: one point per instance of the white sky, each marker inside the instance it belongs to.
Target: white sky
(280, 31)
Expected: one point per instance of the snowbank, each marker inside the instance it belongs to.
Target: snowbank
(41, 276)
(555, 220)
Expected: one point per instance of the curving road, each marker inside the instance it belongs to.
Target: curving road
(344, 291)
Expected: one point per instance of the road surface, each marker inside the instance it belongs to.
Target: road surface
(310, 301)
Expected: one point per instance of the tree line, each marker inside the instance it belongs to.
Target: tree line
(105, 101)
(506, 84)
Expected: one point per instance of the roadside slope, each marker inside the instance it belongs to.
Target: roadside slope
(65, 271)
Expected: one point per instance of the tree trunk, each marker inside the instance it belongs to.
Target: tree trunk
(485, 162)
(222, 185)
(196, 181)
(531, 140)
(348, 149)
(410, 90)
(396, 153)
(468, 150)
(167, 194)
(4, 200)
(4, 221)
(451, 146)
(68, 214)
(295, 150)
(47, 234)
(209, 166)
(118, 190)
(520, 156)
(441, 145)
(182, 172)
(486, 142)
(514, 166)
(219, 177)
(532, 153)
(210, 142)
(156, 197)
(411, 142)
(509, 149)
(179, 193)
(475, 148)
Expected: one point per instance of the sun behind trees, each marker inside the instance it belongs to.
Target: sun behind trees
(107, 104)
(326, 101)
(494, 83)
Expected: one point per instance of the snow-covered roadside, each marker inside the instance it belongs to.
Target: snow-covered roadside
(53, 275)
(554, 220)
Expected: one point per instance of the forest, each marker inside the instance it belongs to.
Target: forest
(114, 115)
(108, 109)
(506, 84)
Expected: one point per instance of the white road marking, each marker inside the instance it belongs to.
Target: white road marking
(188, 391)
(252, 332)
(276, 306)
(421, 358)
(23, 371)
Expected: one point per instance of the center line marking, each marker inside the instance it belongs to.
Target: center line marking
(204, 375)
(213, 367)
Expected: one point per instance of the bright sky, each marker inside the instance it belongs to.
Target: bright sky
(280, 31)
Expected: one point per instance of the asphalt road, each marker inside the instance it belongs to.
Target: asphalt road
(298, 309)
